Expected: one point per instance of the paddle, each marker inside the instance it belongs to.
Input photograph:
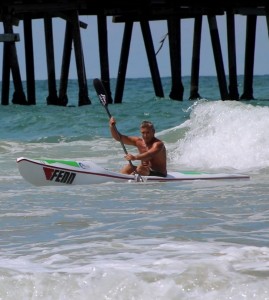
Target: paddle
(101, 92)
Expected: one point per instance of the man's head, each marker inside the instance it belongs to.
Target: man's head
(147, 130)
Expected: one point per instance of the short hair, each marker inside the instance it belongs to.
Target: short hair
(147, 124)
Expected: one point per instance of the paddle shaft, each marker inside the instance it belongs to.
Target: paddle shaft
(119, 135)
(101, 92)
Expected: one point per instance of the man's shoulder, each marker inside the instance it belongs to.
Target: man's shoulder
(157, 141)
(135, 139)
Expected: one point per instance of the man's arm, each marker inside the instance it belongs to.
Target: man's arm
(114, 132)
(128, 140)
(148, 155)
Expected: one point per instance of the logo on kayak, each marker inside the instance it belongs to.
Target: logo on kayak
(83, 166)
(59, 175)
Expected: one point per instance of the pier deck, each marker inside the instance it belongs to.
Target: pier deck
(127, 12)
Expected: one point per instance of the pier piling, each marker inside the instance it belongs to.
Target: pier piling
(174, 34)
(195, 67)
(67, 51)
(249, 57)
(173, 12)
(29, 59)
(125, 48)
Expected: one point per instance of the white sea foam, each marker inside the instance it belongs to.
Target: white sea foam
(151, 270)
(225, 134)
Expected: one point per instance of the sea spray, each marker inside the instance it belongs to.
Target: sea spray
(225, 134)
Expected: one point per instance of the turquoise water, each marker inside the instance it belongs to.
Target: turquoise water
(188, 240)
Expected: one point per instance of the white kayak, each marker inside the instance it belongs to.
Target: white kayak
(41, 172)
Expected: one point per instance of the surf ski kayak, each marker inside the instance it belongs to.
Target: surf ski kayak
(44, 172)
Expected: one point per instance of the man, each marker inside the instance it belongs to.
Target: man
(152, 152)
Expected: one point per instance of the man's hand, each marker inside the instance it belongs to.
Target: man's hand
(112, 122)
(130, 157)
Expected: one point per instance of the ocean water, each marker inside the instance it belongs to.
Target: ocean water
(138, 241)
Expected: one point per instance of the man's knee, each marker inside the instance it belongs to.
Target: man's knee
(142, 170)
(128, 169)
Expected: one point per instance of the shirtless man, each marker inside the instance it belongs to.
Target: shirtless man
(152, 152)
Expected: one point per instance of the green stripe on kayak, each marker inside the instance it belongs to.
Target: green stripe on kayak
(64, 162)
(192, 172)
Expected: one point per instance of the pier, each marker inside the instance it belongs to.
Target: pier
(127, 12)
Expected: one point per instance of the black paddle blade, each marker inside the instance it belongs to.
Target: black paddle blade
(100, 90)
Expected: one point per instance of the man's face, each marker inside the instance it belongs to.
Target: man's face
(147, 133)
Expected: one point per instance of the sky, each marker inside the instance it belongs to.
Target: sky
(138, 64)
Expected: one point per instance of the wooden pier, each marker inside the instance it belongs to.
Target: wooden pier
(127, 12)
